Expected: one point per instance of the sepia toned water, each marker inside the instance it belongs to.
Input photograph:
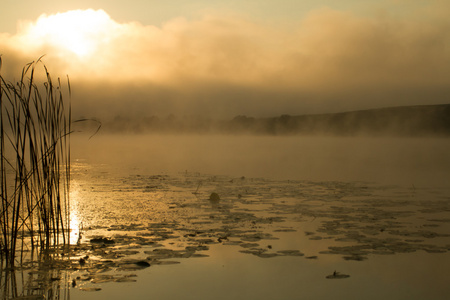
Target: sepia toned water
(298, 218)
(381, 204)
(396, 160)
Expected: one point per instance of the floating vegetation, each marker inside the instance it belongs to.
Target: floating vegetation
(90, 289)
(355, 257)
(248, 245)
(101, 240)
(133, 265)
(214, 197)
(260, 252)
(291, 253)
(285, 230)
(273, 220)
(337, 275)
(370, 224)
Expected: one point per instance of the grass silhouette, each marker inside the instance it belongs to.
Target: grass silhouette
(35, 128)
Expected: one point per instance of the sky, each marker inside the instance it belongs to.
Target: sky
(225, 58)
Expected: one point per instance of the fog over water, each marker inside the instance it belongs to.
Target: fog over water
(393, 232)
(320, 57)
(415, 162)
(247, 149)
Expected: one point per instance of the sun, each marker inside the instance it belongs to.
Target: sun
(78, 31)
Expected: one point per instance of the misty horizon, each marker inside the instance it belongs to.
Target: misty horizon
(224, 63)
(422, 120)
(211, 149)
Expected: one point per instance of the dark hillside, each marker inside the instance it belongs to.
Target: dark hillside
(426, 120)
(404, 121)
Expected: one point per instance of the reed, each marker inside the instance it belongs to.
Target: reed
(35, 128)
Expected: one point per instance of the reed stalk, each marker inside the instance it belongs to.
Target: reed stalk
(35, 127)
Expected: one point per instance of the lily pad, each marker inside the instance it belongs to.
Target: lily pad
(337, 275)
(90, 289)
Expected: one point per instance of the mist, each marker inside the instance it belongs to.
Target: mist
(406, 161)
(222, 65)
(284, 137)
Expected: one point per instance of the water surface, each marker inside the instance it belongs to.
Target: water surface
(293, 210)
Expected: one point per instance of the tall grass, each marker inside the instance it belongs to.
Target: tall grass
(35, 127)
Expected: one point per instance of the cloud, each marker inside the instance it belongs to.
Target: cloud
(229, 64)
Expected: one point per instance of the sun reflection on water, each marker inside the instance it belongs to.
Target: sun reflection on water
(75, 223)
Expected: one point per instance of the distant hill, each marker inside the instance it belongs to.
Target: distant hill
(404, 121)
(424, 120)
